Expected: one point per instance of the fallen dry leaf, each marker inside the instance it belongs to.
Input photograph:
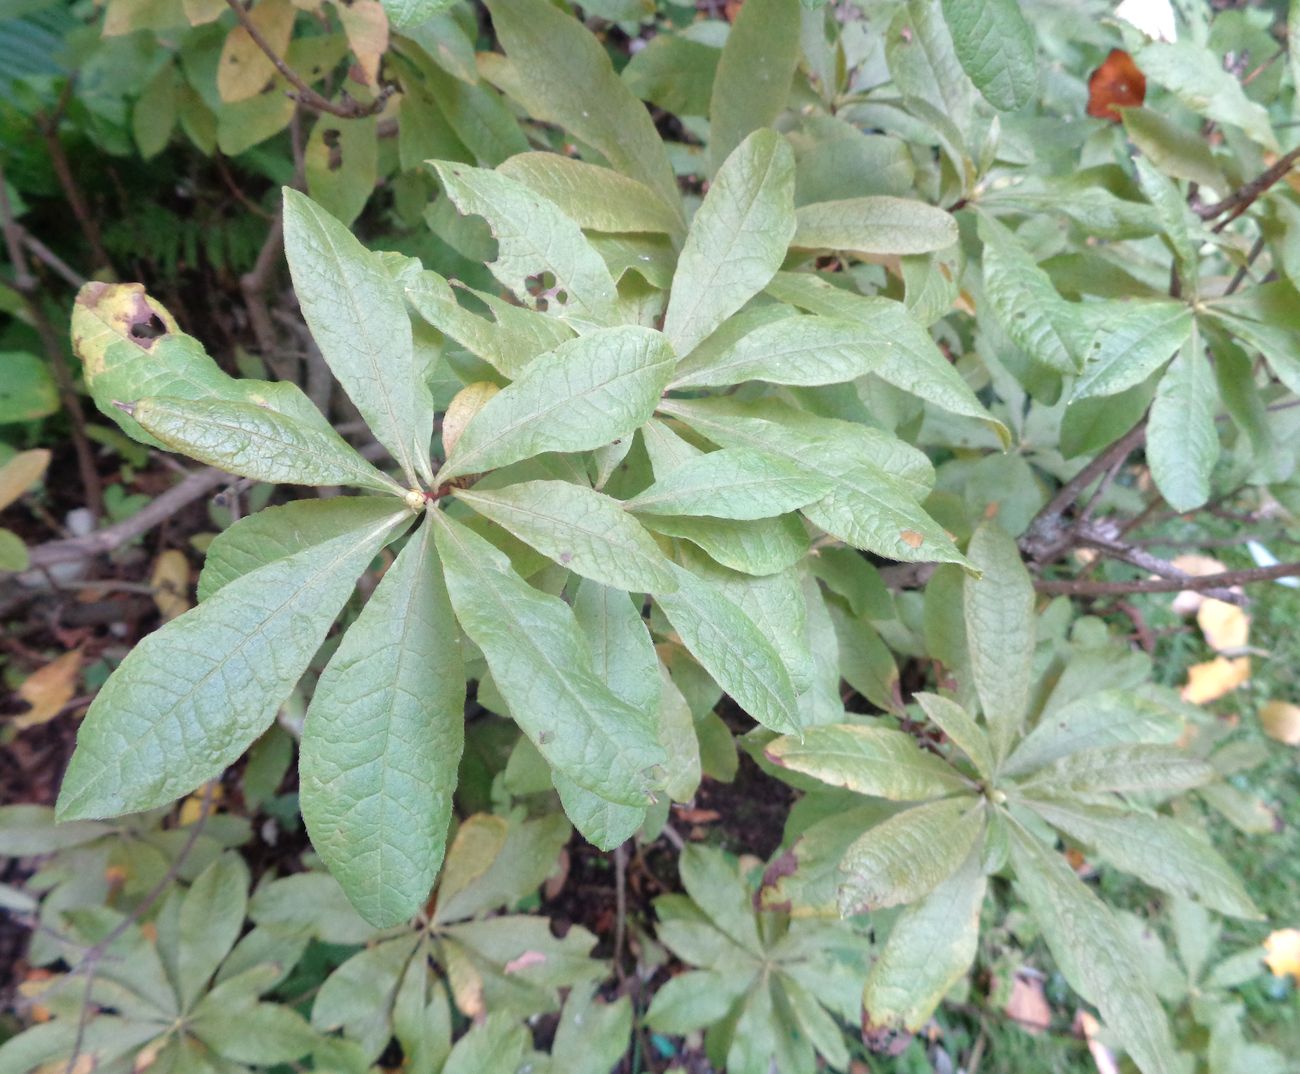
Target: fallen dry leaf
(1225, 626)
(193, 808)
(171, 583)
(1215, 678)
(20, 473)
(1282, 953)
(1281, 720)
(1116, 83)
(48, 690)
(1028, 1007)
(1188, 600)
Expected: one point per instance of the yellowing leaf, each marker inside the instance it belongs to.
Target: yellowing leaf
(48, 690)
(198, 805)
(464, 405)
(244, 69)
(366, 27)
(1282, 953)
(170, 581)
(1211, 680)
(1225, 626)
(1281, 720)
(20, 473)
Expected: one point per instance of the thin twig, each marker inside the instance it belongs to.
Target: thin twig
(1076, 587)
(49, 130)
(1109, 545)
(49, 257)
(620, 905)
(1240, 277)
(1244, 196)
(349, 109)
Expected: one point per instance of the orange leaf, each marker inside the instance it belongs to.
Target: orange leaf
(1281, 720)
(1283, 953)
(1225, 626)
(1117, 82)
(1211, 680)
(48, 690)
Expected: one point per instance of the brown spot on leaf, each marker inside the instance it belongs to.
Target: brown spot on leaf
(883, 1038)
(911, 538)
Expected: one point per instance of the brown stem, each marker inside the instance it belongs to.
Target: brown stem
(1085, 588)
(49, 130)
(1243, 197)
(48, 257)
(349, 109)
(26, 284)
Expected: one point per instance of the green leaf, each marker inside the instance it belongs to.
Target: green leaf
(536, 243)
(592, 1035)
(923, 64)
(13, 553)
(674, 73)
(737, 239)
(341, 162)
(497, 1043)
(1157, 850)
(405, 13)
(1266, 318)
(1138, 339)
(731, 483)
(211, 919)
(955, 722)
(276, 532)
(192, 696)
(752, 83)
(542, 666)
(1139, 767)
(1182, 438)
(581, 529)
(1030, 311)
(912, 361)
(602, 823)
(903, 858)
(995, 47)
(930, 948)
(591, 196)
(236, 1027)
(1176, 218)
(564, 76)
(358, 319)
(29, 830)
(713, 883)
(1108, 718)
(582, 395)
(382, 742)
(693, 1000)
(1194, 75)
(28, 392)
(999, 612)
(868, 760)
(733, 650)
(877, 224)
(755, 546)
(256, 442)
(1087, 943)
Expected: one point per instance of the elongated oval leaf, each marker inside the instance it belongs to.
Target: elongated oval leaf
(1157, 850)
(736, 241)
(534, 239)
(582, 395)
(277, 532)
(357, 316)
(1088, 945)
(1182, 437)
(868, 760)
(733, 650)
(382, 741)
(995, 47)
(876, 224)
(591, 196)
(581, 529)
(999, 611)
(1139, 767)
(256, 442)
(192, 696)
(903, 858)
(930, 948)
(753, 76)
(755, 546)
(1127, 349)
(541, 664)
(731, 483)
(955, 722)
(565, 77)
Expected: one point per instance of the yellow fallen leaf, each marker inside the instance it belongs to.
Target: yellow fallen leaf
(20, 473)
(1281, 720)
(244, 69)
(1187, 601)
(192, 809)
(48, 690)
(1215, 678)
(171, 582)
(1282, 953)
(1225, 626)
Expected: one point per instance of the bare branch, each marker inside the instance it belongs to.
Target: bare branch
(1243, 197)
(1078, 587)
